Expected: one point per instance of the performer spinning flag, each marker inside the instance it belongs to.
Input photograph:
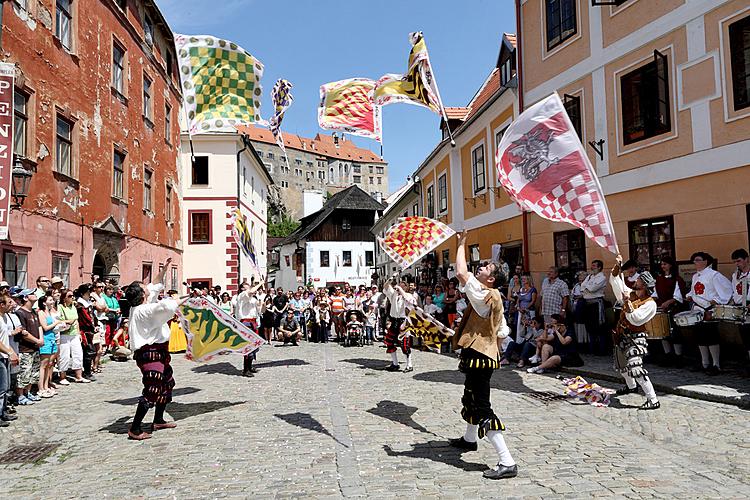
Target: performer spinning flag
(282, 99)
(347, 106)
(220, 83)
(544, 168)
(412, 238)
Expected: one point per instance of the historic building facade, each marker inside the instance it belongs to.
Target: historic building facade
(96, 99)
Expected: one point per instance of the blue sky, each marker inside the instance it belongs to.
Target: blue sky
(314, 42)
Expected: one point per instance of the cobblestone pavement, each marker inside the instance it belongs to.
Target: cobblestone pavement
(327, 421)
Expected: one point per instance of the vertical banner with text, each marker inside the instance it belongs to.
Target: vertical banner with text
(7, 74)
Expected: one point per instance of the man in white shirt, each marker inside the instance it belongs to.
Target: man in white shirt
(741, 293)
(638, 308)
(248, 312)
(8, 357)
(708, 288)
(398, 297)
(592, 290)
(478, 337)
(149, 341)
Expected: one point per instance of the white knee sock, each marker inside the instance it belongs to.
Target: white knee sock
(678, 349)
(705, 360)
(715, 350)
(408, 361)
(629, 381)
(648, 388)
(394, 358)
(470, 436)
(503, 453)
(667, 346)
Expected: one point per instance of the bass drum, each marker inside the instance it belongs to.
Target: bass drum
(658, 327)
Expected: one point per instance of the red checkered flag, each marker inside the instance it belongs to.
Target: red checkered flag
(542, 165)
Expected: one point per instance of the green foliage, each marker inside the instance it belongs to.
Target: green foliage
(283, 228)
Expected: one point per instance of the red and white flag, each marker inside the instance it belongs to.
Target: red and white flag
(543, 166)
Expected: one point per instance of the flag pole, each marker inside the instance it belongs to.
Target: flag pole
(440, 100)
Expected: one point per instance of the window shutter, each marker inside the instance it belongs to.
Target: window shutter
(662, 91)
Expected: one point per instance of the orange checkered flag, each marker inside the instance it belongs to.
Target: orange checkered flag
(411, 238)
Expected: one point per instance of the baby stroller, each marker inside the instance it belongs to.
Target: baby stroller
(354, 321)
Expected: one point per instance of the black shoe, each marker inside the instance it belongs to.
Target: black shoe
(10, 410)
(650, 405)
(3, 423)
(626, 390)
(247, 374)
(408, 369)
(393, 368)
(463, 444)
(90, 376)
(501, 472)
(698, 368)
(8, 418)
(713, 370)
(679, 362)
(253, 370)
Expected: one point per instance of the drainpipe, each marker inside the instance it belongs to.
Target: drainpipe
(519, 75)
(243, 138)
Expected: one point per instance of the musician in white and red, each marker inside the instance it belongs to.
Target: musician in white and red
(741, 293)
(708, 289)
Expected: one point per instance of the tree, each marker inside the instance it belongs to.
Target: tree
(283, 228)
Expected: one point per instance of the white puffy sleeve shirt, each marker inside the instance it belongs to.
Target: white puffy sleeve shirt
(148, 321)
(476, 293)
(639, 316)
(708, 285)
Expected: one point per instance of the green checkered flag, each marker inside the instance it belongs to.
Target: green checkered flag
(220, 83)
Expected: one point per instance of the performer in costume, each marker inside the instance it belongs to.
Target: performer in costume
(670, 290)
(248, 308)
(149, 340)
(398, 296)
(741, 293)
(638, 308)
(478, 336)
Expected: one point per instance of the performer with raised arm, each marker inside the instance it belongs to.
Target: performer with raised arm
(638, 308)
(398, 297)
(478, 336)
(149, 340)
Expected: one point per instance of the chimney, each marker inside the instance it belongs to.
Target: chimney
(335, 139)
(312, 201)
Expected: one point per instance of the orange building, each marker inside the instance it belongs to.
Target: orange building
(660, 96)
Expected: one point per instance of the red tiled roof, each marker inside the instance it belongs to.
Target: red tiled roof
(491, 85)
(457, 113)
(322, 145)
(511, 37)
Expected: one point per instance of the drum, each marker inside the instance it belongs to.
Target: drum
(735, 314)
(688, 318)
(658, 327)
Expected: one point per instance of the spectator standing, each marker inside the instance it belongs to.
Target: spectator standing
(71, 349)
(592, 290)
(42, 285)
(451, 296)
(526, 297)
(555, 294)
(225, 303)
(87, 326)
(112, 315)
(8, 358)
(579, 310)
(50, 323)
(29, 341)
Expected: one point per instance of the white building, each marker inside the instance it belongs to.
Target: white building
(225, 174)
(332, 245)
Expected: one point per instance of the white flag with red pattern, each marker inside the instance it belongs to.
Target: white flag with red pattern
(543, 166)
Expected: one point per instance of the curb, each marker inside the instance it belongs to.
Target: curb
(741, 402)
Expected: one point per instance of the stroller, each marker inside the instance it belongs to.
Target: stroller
(354, 319)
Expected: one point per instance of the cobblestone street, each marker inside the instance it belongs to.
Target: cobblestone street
(326, 421)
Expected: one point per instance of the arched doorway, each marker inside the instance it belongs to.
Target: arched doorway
(99, 268)
(106, 264)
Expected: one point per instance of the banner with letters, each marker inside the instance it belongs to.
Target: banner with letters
(7, 76)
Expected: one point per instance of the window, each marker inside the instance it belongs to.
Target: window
(415, 209)
(284, 184)
(118, 174)
(64, 23)
(442, 194)
(146, 271)
(369, 170)
(372, 180)
(477, 168)
(64, 147)
(61, 268)
(147, 94)
(739, 48)
(309, 164)
(380, 170)
(174, 280)
(168, 204)
(325, 258)
(650, 240)
(20, 121)
(431, 201)
(357, 169)
(200, 171)
(270, 156)
(570, 253)
(380, 181)
(322, 175)
(118, 68)
(260, 154)
(357, 179)
(297, 161)
(200, 226)
(168, 123)
(148, 30)
(14, 268)
(645, 101)
(572, 105)
(369, 258)
(346, 224)
(347, 258)
(561, 21)
(499, 137)
(148, 175)
(506, 71)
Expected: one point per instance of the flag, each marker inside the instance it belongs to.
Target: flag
(347, 106)
(411, 238)
(543, 166)
(220, 83)
(211, 331)
(417, 86)
(242, 236)
(424, 325)
(282, 98)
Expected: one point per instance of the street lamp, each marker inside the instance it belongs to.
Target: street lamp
(21, 182)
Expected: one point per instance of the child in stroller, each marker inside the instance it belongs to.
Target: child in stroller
(355, 329)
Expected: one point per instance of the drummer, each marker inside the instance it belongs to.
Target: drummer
(669, 296)
(708, 288)
(741, 293)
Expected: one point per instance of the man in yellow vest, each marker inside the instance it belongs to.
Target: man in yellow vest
(478, 336)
